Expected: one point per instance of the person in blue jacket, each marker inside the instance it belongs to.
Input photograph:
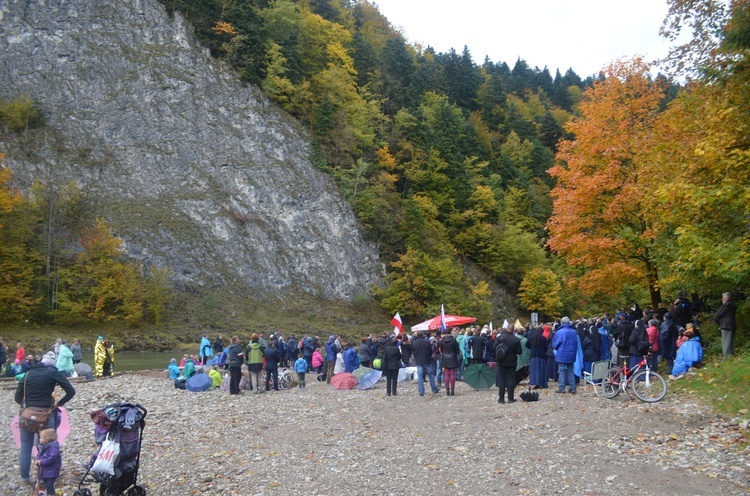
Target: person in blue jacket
(206, 350)
(688, 354)
(351, 359)
(300, 366)
(174, 370)
(565, 346)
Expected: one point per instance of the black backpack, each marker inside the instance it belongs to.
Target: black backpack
(501, 350)
(642, 343)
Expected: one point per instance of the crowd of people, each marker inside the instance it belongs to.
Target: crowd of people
(65, 354)
(558, 351)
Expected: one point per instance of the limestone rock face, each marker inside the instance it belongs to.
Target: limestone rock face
(195, 171)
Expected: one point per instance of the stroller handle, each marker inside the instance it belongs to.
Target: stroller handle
(142, 410)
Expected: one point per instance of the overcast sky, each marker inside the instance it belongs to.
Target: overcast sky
(585, 35)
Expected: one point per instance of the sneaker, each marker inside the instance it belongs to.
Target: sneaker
(561, 392)
(671, 377)
(512, 400)
(572, 392)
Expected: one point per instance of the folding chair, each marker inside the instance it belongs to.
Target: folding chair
(598, 372)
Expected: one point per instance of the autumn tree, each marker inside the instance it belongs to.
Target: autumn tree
(540, 292)
(18, 259)
(599, 220)
(101, 285)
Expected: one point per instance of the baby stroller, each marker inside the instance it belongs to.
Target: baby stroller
(118, 431)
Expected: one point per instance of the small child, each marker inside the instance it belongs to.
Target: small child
(49, 460)
(300, 366)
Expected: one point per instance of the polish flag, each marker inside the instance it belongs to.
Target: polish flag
(398, 325)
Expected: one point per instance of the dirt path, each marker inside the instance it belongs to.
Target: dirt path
(322, 441)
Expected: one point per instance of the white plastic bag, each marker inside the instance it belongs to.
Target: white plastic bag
(108, 454)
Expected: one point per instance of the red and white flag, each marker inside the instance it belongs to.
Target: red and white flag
(398, 325)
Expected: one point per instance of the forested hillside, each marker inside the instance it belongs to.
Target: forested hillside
(487, 186)
(444, 160)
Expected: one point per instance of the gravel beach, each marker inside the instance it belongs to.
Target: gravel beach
(324, 441)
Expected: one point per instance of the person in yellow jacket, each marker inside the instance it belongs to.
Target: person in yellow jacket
(100, 355)
(215, 375)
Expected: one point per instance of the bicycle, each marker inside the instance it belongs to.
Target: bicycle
(646, 384)
(286, 380)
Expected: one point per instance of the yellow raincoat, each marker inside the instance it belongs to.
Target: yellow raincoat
(100, 354)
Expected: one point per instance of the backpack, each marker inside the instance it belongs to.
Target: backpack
(501, 350)
(642, 343)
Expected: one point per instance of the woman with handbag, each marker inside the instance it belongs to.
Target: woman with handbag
(35, 392)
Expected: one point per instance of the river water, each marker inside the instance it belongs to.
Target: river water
(138, 360)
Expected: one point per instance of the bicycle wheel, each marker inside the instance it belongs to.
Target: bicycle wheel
(648, 386)
(611, 382)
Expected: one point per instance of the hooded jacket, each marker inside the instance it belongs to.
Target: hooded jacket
(50, 460)
(668, 338)
(64, 359)
(331, 349)
(565, 343)
(234, 355)
(451, 352)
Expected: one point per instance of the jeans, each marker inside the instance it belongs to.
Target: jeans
(566, 376)
(301, 379)
(430, 369)
(439, 371)
(28, 439)
(275, 374)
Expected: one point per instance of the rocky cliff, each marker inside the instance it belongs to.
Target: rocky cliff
(193, 170)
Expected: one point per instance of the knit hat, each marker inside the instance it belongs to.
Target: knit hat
(100, 338)
(174, 360)
(565, 320)
(49, 358)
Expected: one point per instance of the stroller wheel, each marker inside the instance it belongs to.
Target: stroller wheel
(137, 491)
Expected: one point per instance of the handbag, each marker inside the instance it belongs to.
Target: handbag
(107, 457)
(32, 418)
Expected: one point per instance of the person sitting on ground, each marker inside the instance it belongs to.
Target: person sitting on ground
(174, 370)
(689, 355)
(317, 360)
(215, 376)
(189, 370)
(27, 364)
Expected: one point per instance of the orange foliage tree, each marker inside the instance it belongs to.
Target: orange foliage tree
(599, 222)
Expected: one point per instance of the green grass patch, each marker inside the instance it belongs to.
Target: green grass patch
(722, 384)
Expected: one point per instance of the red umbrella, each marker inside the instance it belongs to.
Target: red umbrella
(450, 321)
(344, 380)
